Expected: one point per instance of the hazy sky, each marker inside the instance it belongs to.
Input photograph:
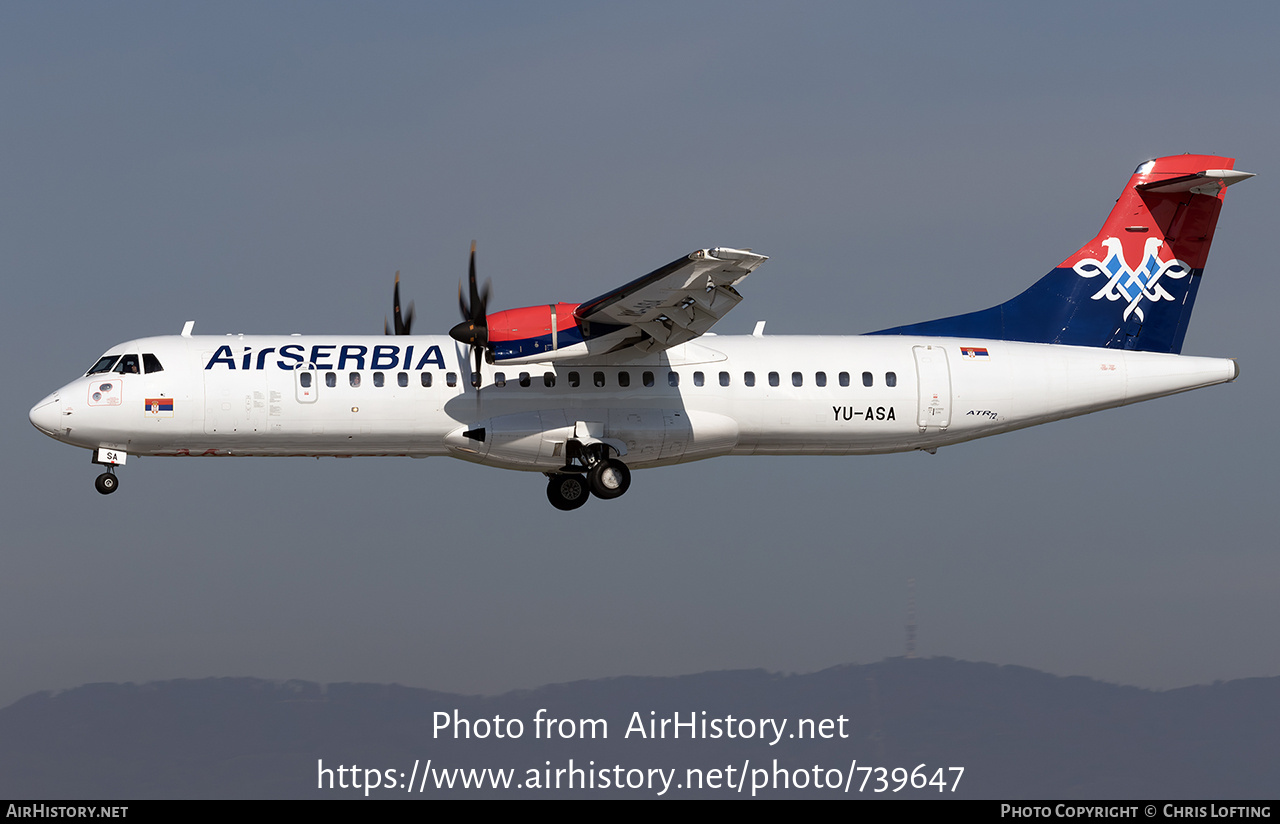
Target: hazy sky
(266, 167)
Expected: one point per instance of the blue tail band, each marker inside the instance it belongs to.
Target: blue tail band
(1060, 308)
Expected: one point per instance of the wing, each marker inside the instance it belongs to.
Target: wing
(676, 303)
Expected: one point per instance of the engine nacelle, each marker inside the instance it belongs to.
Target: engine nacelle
(541, 440)
(533, 332)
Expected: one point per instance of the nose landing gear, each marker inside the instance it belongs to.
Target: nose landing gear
(106, 483)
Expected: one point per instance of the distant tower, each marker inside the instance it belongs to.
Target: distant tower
(876, 735)
(911, 617)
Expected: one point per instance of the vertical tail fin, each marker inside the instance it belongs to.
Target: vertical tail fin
(1132, 286)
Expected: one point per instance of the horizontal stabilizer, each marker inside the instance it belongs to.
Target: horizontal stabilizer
(1208, 182)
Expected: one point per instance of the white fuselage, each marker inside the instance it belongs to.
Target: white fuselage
(854, 395)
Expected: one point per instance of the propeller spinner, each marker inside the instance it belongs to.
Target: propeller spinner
(474, 328)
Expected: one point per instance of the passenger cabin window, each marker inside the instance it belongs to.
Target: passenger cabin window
(797, 379)
(673, 379)
(866, 379)
(820, 379)
(647, 379)
(724, 378)
(624, 379)
(330, 379)
(774, 380)
(128, 365)
(598, 378)
(575, 379)
(103, 365)
(548, 379)
(451, 378)
(749, 378)
(354, 379)
(499, 378)
(305, 380)
(844, 378)
(891, 378)
(698, 379)
(379, 379)
(426, 378)
(151, 363)
(525, 380)
(402, 379)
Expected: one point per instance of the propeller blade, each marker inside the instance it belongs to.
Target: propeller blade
(474, 328)
(476, 307)
(403, 322)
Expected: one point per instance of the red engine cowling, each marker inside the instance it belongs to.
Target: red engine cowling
(532, 330)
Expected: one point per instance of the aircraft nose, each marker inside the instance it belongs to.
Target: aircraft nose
(47, 416)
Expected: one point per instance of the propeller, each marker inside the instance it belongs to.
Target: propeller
(403, 325)
(474, 328)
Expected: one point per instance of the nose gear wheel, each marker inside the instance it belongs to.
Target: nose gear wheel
(106, 483)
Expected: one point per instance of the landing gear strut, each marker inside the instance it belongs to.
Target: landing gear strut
(106, 483)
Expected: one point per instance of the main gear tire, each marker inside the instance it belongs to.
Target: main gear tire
(567, 492)
(609, 479)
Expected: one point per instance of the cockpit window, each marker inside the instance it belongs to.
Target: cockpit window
(128, 365)
(152, 363)
(104, 364)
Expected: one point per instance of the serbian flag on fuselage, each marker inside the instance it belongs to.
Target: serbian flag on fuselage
(974, 352)
(159, 407)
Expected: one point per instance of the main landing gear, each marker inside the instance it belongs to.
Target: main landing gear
(106, 483)
(606, 478)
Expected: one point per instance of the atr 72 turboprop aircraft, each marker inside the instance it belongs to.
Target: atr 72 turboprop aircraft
(633, 379)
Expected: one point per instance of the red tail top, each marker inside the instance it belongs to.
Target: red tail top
(1159, 201)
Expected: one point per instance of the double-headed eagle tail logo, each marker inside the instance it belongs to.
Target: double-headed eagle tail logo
(1132, 285)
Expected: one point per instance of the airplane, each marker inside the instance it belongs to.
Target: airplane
(635, 379)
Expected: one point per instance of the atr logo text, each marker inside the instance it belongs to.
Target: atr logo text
(1132, 284)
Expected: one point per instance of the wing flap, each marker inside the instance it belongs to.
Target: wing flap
(677, 302)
